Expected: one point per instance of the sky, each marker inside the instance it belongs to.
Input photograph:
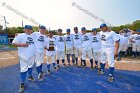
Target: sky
(65, 14)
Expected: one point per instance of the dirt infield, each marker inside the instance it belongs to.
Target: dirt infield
(8, 58)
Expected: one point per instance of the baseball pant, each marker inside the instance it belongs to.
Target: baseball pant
(25, 63)
(39, 57)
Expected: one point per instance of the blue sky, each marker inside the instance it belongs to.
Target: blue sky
(61, 14)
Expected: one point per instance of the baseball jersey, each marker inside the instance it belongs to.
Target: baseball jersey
(123, 39)
(28, 39)
(39, 41)
(136, 38)
(108, 38)
(86, 41)
(96, 43)
(50, 42)
(77, 40)
(69, 41)
(60, 42)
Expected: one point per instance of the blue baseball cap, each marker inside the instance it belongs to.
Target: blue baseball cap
(83, 28)
(103, 25)
(94, 29)
(138, 30)
(42, 27)
(75, 28)
(60, 30)
(28, 27)
(68, 30)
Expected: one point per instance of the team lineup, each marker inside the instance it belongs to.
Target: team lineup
(99, 47)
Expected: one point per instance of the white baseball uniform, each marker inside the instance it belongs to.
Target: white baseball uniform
(39, 47)
(136, 42)
(86, 46)
(60, 47)
(51, 55)
(123, 43)
(69, 44)
(96, 47)
(107, 47)
(26, 54)
(77, 40)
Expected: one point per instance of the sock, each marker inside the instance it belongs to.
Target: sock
(57, 62)
(68, 58)
(53, 64)
(30, 71)
(84, 61)
(73, 58)
(91, 62)
(102, 66)
(111, 71)
(96, 63)
(38, 69)
(133, 53)
(139, 54)
(23, 76)
(63, 61)
(119, 57)
(41, 67)
(48, 66)
(76, 59)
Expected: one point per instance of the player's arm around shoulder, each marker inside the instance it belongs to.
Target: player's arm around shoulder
(17, 41)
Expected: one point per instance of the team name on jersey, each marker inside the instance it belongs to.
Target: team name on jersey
(68, 39)
(76, 37)
(85, 38)
(61, 39)
(29, 41)
(103, 37)
(41, 39)
(94, 39)
(51, 43)
(137, 38)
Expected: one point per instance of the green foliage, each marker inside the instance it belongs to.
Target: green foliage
(13, 30)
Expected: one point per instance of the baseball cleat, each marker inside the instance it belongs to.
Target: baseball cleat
(55, 68)
(100, 71)
(58, 66)
(110, 78)
(92, 67)
(64, 64)
(68, 64)
(40, 77)
(48, 72)
(96, 67)
(76, 65)
(43, 74)
(31, 78)
(21, 88)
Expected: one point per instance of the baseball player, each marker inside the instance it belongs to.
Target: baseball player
(108, 50)
(50, 51)
(26, 52)
(86, 47)
(40, 38)
(77, 40)
(69, 47)
(96, 46)
(123, 43)
(60, 48)
(136, 44)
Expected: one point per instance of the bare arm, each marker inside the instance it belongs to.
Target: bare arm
(116, 48)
